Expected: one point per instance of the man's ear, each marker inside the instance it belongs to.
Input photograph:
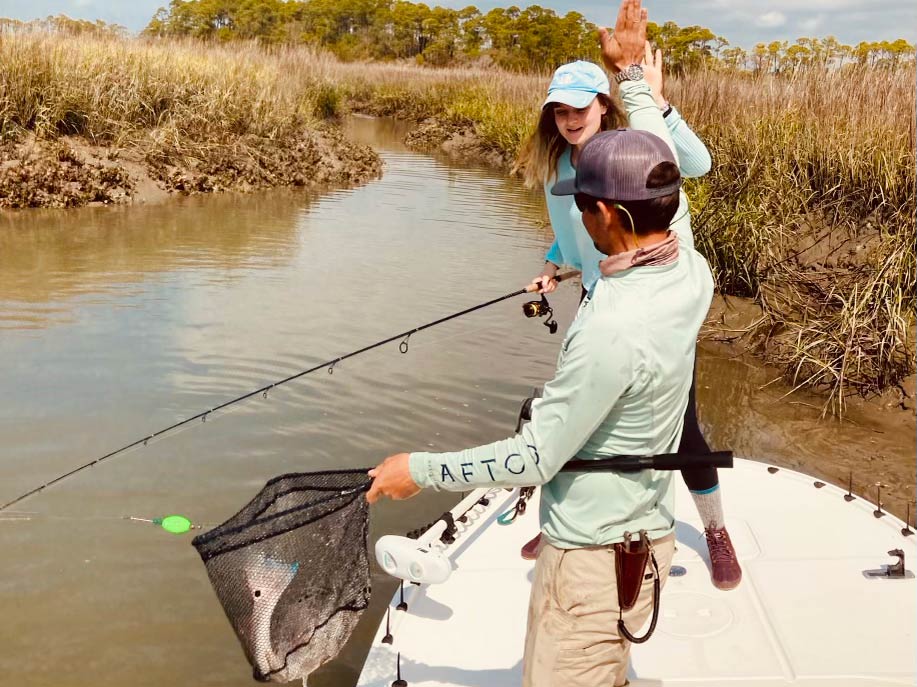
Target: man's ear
(607, 212)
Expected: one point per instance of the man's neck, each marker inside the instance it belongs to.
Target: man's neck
(627, 241)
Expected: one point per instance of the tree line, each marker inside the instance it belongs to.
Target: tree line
(530, 39)
(64, 25)
(533, 38)
(514, 38)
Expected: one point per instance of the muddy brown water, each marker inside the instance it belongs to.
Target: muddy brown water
(117, 322)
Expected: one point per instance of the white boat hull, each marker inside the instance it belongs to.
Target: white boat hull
(805, 613)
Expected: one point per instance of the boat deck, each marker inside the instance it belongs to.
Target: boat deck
(805, 613)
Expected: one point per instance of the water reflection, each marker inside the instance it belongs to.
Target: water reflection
(51, 261)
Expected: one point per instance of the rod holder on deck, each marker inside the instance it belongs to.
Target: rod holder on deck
(398, 681)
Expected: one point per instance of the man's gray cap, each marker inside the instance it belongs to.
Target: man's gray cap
(615, 165)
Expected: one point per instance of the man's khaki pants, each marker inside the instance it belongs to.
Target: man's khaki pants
(572, 637)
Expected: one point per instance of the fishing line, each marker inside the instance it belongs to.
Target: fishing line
(175, 524)
(404, 345)
(28, 516)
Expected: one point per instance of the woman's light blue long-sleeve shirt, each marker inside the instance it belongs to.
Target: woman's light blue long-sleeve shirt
(572, 245)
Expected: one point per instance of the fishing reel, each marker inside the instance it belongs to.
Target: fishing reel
(541, 309)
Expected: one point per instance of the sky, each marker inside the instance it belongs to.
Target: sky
(742, 22)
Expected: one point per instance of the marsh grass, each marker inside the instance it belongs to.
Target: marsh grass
(809, 207)
(110, 90)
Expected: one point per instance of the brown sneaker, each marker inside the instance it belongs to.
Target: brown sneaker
(726, 573)
(530, 550)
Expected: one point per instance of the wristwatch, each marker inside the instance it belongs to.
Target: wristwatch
(633, 72)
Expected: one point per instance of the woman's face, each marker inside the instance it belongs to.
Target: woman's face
(578, 125)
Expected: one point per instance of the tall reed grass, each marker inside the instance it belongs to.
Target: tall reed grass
(108, 90)
(809, 208)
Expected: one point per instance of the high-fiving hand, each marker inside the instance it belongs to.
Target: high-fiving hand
(627, 45)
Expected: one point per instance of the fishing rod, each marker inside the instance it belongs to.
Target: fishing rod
(530, 309)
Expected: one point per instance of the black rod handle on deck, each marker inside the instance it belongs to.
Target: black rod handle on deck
(665, 461)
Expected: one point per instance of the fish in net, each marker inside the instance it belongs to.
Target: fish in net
(291, 570)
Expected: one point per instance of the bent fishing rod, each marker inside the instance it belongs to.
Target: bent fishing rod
(530, 309)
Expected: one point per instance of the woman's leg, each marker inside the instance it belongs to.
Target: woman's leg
(701, 480)
(704, 485)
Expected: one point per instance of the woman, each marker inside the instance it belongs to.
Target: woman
(578, 106)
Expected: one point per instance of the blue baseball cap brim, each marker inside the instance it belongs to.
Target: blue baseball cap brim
(574, 98)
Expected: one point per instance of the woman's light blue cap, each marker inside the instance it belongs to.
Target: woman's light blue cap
(577, 83)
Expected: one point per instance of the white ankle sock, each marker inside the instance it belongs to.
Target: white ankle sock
(710, 507)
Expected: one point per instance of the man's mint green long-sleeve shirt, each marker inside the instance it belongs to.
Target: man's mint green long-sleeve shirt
(621, 388)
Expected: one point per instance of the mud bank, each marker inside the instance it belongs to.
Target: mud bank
(457, 141)
(71, 172)
(874, 442)
(737, 327)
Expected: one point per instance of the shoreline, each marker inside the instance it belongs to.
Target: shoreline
(70, 172)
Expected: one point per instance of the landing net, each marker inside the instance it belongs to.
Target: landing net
(292, 572)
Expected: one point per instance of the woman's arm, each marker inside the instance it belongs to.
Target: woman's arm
(642, 112)
(693, 156)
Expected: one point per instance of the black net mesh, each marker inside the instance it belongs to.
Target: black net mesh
(292, 572)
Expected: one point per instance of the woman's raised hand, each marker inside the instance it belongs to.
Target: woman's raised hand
(652, 72)
(627, 45)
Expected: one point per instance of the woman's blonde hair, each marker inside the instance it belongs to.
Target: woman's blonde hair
(537, 161)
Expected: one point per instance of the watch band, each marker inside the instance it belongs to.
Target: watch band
(632, 72)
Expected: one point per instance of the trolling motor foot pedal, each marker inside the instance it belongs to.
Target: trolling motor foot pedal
(894, 571)
(414, 560)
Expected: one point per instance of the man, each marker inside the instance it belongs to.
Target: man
(621, 388)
